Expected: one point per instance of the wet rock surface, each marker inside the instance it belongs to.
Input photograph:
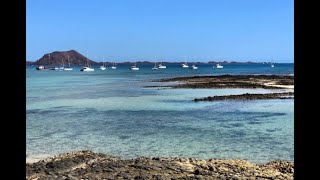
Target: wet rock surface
(247, 96)
(232, 81)
(90, 165)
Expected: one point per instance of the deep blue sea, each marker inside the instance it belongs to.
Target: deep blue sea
(111, 112)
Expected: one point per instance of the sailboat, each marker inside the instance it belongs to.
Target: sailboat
(41, 68)
(160, 66)
(194, 67)
(87, 68)
(54, 68)
(69, 67)
(155, 66)
(219, 66)
(103, 67)
(272, 64)
(134, 68)
(113, 66)
(62, 67)
(184, 65)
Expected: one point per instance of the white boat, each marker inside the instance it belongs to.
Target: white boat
(155, 66)
(69, 67)
(272, 64)
(41, 68)
(55, 68)
(113, 66)
(87, 68)
(62, 67)
(160, 66)
(102, 68)
(184, 65)
(219, 66)
(134, 68)
(194, 67)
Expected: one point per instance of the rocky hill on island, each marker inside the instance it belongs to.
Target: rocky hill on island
(60, 57)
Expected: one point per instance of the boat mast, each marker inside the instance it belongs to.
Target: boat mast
(68, 61)
(87, 60)
(49, 57)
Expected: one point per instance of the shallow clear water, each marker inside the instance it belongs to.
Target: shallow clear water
(111, 112)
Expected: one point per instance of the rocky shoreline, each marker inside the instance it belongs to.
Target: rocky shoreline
(232, 81)
(247, 96)
(90, 165)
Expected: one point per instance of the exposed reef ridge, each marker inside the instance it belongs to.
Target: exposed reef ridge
(90, 165)
(233, 81)
(247, 96)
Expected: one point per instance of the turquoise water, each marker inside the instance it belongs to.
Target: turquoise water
(111, 112)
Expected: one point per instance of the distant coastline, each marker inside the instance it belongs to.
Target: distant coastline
(166, 62)
(73, 57)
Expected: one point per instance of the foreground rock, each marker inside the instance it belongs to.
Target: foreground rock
(233, 81)
(89, 165)
(247, 96)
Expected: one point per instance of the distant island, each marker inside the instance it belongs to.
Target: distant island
(75, 58)
(63, 57)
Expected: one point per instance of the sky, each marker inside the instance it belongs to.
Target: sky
(170, 30)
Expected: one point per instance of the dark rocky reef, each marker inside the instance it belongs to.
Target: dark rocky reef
(57, 57)
(233, 81)
(247, 96)
(89, 165)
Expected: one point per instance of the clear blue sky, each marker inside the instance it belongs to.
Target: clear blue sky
(234, 30)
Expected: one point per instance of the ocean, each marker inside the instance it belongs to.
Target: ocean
(112, 112)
